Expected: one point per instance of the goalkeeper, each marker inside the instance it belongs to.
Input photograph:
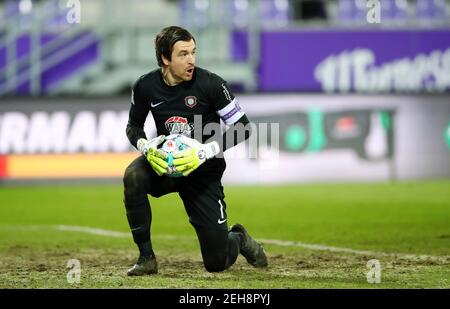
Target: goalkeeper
(184, 99)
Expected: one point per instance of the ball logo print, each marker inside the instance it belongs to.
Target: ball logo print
(171, 147)
(190, 101)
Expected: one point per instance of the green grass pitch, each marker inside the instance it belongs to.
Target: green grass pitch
(406, 226)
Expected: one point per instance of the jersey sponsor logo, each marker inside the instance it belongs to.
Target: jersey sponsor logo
(156, 104)
(190, 101)
(178, 125)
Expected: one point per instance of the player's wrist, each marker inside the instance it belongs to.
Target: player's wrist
(211, 149)
(142, 146)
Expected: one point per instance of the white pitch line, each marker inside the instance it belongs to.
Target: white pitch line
(92, 231)
(407, 256)
(103, 232)
(283, 243)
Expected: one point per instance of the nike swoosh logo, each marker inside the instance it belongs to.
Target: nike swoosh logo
(221, 221)
(156, 104)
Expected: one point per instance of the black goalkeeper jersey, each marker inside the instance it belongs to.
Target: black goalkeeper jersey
(183, 109)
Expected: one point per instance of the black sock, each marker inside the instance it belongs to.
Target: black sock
(234, 246)
(240, 237)
(145, 249)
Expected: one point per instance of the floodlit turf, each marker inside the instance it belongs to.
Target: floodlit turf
(394, 218)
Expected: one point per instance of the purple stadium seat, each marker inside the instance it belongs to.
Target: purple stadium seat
(239, 13)
(394, 10)
(355, 11)
(235, 12)
(194, 13)
(11, 9)
(431, 10)
(275, 12)
(351, 11)
(271, 12)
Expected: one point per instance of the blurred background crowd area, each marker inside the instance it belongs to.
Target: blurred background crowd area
(51, 47)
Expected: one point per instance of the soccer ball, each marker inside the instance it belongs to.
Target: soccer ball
(171, 146)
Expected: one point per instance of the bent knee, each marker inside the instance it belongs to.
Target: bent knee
(130, 176)
(134, 179)
(214, 267)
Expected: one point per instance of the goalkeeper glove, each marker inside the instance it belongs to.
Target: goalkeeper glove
(154, 156)
(189, 160)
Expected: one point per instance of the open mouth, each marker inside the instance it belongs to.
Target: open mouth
(190, 71)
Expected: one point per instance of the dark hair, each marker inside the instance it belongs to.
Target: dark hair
(166, 39)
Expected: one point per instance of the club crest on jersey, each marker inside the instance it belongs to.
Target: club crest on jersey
(190, 101)
(178, 125)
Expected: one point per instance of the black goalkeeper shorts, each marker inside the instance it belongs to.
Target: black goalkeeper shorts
(202, 194)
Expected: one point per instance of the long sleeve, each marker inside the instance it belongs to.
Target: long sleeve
(236, 133)
(138, 114)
